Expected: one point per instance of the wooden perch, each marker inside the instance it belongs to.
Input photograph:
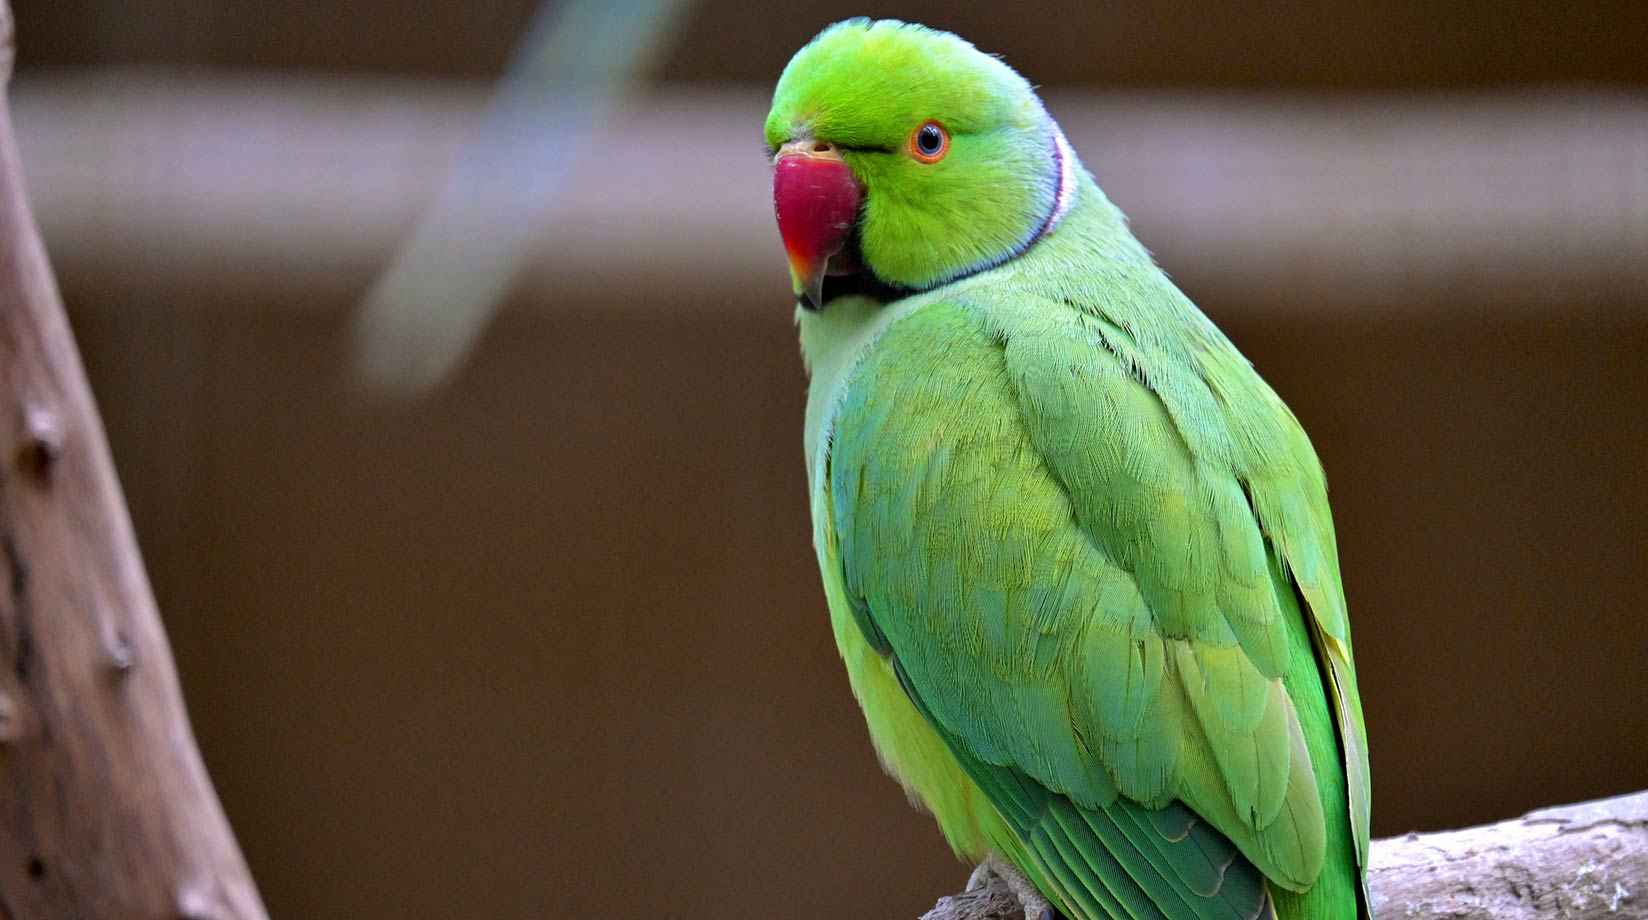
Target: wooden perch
(1575, 863)
(105, 807)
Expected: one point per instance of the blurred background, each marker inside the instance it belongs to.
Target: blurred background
(539, 632)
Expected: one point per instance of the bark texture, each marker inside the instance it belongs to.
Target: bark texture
(1578, 862)
(106, 810)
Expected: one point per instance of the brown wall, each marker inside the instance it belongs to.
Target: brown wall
(1340, 44)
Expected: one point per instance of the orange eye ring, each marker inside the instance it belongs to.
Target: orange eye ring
(929, 142)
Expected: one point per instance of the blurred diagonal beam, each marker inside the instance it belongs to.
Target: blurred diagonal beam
(106, 810)
(291, 188)
(443, 285)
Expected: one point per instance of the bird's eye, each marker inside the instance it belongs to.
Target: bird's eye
(930, 142)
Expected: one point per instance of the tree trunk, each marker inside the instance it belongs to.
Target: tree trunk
(1576, 862)
(106, 810)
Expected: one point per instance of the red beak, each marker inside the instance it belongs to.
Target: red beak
(816, 199)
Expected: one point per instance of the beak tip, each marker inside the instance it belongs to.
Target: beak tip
(814, 294)
(807, 275)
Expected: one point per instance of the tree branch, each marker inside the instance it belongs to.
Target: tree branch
(105, 807)
(1575, 862)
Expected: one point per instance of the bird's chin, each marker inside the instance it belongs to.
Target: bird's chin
(860, 282)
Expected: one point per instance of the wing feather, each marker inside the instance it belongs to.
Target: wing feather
(1080, 592)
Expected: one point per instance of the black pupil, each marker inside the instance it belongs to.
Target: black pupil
(929, 140)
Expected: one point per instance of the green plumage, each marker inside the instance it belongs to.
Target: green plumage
(1079, 555)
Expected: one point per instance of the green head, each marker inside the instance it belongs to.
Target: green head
(904, 158)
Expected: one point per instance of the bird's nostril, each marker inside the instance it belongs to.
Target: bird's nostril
(823, 147)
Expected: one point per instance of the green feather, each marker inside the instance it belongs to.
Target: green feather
(1079, 556)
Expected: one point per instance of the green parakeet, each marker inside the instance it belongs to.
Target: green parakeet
(1078, 556)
